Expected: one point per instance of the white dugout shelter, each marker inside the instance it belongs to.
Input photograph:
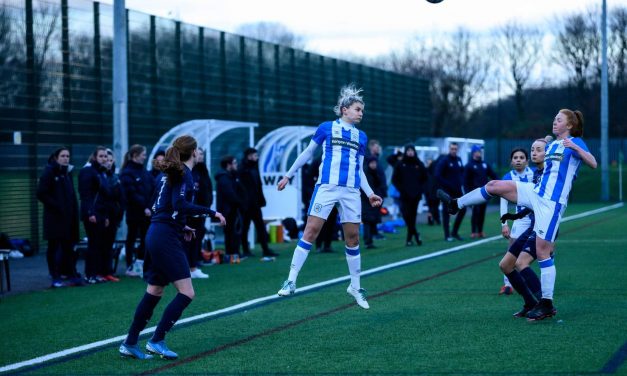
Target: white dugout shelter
(277, 150)
(217, 137)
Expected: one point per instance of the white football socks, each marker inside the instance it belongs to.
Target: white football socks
(547, 278)
(298, 259)
(353, 259)
(475, 197)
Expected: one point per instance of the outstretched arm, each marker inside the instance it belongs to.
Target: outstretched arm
(305, 156)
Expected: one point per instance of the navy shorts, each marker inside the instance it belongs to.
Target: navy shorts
(526, 242)
(166, 260)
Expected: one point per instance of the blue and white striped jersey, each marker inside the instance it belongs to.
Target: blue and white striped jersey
(526, 176)
(560, 170)
(342, 145)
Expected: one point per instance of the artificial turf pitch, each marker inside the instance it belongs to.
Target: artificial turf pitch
(440, 315)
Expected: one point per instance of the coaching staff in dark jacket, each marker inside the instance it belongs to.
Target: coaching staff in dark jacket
(115, 208)
(230, 201)
(203, 196)
(477, 173)
(94, 191)
(410, 177)
(251, 180)
(138, 186)
(449, 174)
(56, 192)
(371, 216)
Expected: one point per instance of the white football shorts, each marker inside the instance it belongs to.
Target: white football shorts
(519, 226)
(548, 214)
(326, 196)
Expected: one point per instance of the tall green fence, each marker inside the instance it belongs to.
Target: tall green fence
(55, 89)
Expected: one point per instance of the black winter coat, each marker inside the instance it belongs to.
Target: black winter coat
(476, 174)
(93, 190)
(116, 201)
(56, 192)
(371, 214)
(410, 177)
(230, 194)
(203, 185)
(251, 180)
(449, 174)
(432, 184)
(138, 186)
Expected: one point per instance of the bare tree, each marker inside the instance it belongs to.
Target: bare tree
(617, 55)
(457, 68)
(10, 57)
(467, 63)
(578, 50)
(272, 32)
(519, 49)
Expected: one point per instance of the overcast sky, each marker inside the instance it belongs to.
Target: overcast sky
(367, 27)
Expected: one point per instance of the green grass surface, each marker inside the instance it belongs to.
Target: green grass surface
(438, 316)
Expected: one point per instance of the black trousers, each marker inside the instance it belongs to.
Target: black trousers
(194, 247)
(96, 248)
(433, 204)
(409, 210)
(255, 216)
(232, 233)
(136, 229)
(370, 229)
(478, 217)
(446, 219)
(106, 258)
(61, 258)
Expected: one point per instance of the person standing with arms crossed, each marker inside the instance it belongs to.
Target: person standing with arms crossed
(341, 176)
(166, 259)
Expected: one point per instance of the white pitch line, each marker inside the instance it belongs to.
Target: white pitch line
(119, 339)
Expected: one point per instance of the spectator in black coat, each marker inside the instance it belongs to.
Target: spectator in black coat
(56, 192)
(477, 173)
(394, 158)
(431, 193)
(371, 216)
(309, 176)
(115, 208)
(138, 186)
(94, 191)
(231, 201)
(374, 150)
(251, 180)
(449, 174)
(203, 196)
(410, 177)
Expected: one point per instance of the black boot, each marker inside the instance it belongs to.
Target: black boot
(451, 203)
(418, 241)
(542, 310)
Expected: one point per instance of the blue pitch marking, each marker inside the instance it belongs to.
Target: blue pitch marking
(616, 360)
